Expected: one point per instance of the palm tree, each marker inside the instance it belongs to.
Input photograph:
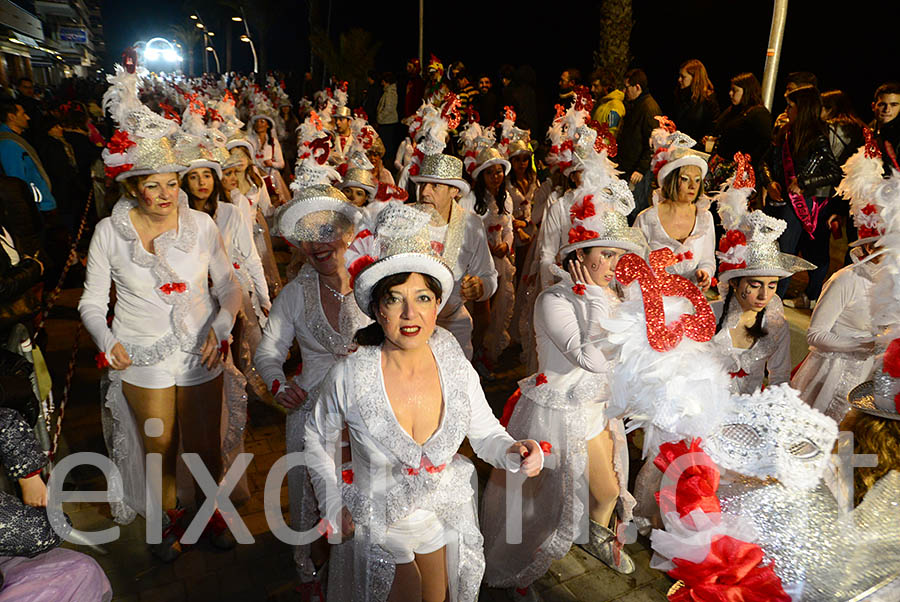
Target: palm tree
(188, 37)
(353, 58)
(613, 52)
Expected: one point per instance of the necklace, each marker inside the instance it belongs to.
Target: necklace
(337, 294)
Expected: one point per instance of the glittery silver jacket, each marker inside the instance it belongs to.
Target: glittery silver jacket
(24, 530)
(393, 475)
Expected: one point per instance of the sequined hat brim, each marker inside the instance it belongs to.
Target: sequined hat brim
(455, 182)
(506, 166)
(240, 142)
(615, 243)
(398, 264)
(200, 163)
(257, 117)
(691, 159)
(294, 212)
(862, 398)
(351, 183)
(171, 168)
(790, 265)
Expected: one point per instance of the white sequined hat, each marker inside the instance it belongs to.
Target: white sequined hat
(359, 178)
(442, 169)
(749, 246)
(401, 243)
(142, 143)
(673, 149)
(487, 158)
(318, 213)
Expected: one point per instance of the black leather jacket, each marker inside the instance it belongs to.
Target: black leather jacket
(816, 169)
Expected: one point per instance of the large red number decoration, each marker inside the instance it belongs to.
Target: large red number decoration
(656, 283)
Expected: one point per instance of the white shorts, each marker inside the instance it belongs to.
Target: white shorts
(422, 532)
(180, 369)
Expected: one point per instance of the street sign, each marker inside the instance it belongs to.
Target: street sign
(77, 35)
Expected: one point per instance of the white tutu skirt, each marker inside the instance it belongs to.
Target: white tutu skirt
(554, 504)
(126, 448)
(825, 378)
(497, 337)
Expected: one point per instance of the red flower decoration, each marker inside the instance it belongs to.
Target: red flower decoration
(714, 282)
(579, 289)
(120, 142)
(364, 233)
(731, 239)
(101, 360)
(731, 571)
(697, 482)
(583, 209)
(113, 172)
(236, 266)
(739, 374)
(437, 246)
(580, 233)
(546, 448)
(666, 123)
(347, 476)
(173, 287)
(358, 266)
(868, 209)
(540, 379)
(892, 358)
(276, 385)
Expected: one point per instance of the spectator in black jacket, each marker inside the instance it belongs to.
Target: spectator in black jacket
(58, 157)
(799, 174)
(696, 107)
(745, 126)
(487, 103)
(634, 136)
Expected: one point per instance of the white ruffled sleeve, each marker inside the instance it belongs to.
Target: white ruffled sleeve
(226, 288)
(251, 261)
(277, 155)
(323, 438)
(706, 246)
(549, 241)
(264, 202)
(482, 264)
(557, 315)
(94, 303)
(278, 335)
(837, 294)
(779, 365)
(489, 439)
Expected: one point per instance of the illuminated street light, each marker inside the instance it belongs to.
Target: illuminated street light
(244, 39)
(199, 25)
(209, 48)
(209, 33)
(194, 17)
(236, 19)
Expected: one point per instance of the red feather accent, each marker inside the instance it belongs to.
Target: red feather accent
(358, 266)
(583, 209)
(892, 359)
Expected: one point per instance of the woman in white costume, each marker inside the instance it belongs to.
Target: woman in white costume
(563, 405)
(841, 346)
(753, 338)
(317, 310)
(408, 397)
(248, 192)
(679, 218)
(164, 344)
(267, 154)
(493, 204)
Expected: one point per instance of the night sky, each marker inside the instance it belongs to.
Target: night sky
(854, 51)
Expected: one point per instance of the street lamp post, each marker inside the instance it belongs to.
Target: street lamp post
(246, 38)
(207, 44)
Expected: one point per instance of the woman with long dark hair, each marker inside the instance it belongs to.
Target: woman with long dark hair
(845, 133)
(745, 126)
(799, 173)
(494, 205)
(752, 336)
(696, 106)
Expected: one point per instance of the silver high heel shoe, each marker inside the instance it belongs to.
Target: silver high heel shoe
(604, 547)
